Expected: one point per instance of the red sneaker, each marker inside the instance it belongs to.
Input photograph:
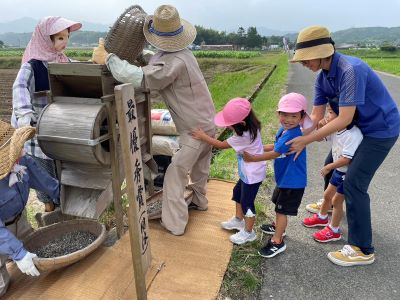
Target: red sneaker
(326, 235)
(315, 221)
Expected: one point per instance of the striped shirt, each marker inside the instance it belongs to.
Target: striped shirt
(27, 106)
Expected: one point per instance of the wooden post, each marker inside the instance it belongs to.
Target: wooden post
(116, 180)
(137, 210)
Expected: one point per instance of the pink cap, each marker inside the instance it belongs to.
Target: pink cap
(293, 103)
(235, 111)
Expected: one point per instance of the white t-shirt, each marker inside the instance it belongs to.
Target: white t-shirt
(345, 143)
(249, 172)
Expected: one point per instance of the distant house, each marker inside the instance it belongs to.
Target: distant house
(274, 47)
(216, 47)
(345, 46)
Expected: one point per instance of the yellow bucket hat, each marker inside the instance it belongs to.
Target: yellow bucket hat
(313, 42)
(11, 143)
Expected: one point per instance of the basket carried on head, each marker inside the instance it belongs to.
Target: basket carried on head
(126, 38)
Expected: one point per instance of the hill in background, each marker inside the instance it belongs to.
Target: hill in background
(18, 33)
(364, 36)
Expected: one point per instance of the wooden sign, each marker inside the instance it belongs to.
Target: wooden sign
(132, 160)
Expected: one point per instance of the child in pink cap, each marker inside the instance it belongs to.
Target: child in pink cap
(238, 116)
(47, 44)
(290, 174)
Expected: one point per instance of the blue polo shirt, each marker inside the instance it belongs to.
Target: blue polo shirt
(354, 83)
(289, 173)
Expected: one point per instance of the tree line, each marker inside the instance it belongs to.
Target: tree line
(249, 38)
(244, 38)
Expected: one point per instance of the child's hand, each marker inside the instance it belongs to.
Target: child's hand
(324, 171)
(198, 134)
(322, 123)
(248, 157)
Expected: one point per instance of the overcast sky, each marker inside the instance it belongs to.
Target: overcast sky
(290, 15)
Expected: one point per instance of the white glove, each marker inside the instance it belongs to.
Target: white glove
(26, 264)
(123, 71)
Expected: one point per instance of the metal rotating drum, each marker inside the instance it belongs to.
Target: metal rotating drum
(75, 132)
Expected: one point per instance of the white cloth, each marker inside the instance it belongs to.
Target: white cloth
(123, 71)
(16, 175)
(345, 143)
(249, 172)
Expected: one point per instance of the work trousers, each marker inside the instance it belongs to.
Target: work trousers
(20, 229)
(366, 161)
(50, 166)
(194, 162)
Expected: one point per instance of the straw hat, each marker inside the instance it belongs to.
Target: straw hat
(166, 31)
(313, 42)
(11, 144)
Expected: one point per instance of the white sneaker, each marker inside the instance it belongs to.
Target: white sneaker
(233, 223)
(243, 237)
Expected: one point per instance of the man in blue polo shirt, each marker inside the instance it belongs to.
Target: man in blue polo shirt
(364, 99)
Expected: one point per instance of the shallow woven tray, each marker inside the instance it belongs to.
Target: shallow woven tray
(45, 234)
(126, 38)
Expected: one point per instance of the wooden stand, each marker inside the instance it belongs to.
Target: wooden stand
(90, 179)
(114, 149)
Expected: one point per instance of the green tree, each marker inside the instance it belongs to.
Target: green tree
(1, 44)
(209, 36)
(253, 38)
(241, 33)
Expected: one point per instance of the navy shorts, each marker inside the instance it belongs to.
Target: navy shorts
(337, 180)
(245, 194)
(287, 201)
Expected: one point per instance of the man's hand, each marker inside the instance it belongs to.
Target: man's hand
(99, 53)
(27, 266)
(297, 145)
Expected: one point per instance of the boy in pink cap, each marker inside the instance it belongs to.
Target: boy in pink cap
(238, 116)
(290, 174)
(47, 44)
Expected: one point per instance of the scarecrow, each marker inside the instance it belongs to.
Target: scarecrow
(174, 73)
(18, 173)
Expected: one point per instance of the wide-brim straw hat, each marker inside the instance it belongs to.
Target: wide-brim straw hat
(125, 38)
(313, 42)
(166, 31)
(11, 144)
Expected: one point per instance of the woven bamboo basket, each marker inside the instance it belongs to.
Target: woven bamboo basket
(126, 38)
(45, 234)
